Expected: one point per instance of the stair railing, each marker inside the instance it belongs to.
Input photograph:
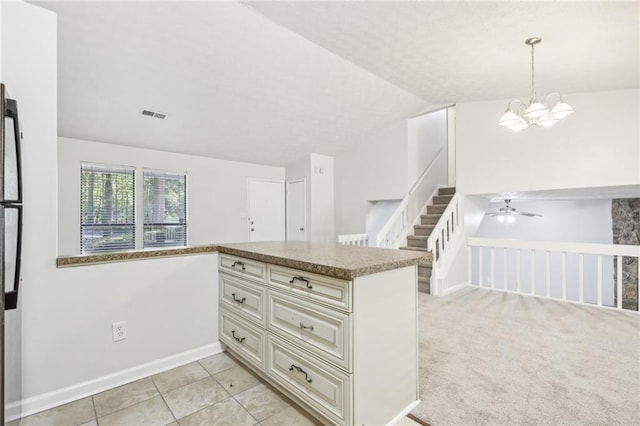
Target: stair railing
(445, 232)
(395, 230)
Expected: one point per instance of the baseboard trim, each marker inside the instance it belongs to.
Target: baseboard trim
(404, 412)
(455, 288)
(71, 393)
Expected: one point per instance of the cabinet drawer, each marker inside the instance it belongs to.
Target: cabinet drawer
(322, 386)
(244, 297)
(331, 291)
(243, 338)
(242, 267)
(321, 330)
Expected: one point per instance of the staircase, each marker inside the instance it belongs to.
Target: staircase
(421, 232)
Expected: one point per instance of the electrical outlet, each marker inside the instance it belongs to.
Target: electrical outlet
(119, 330)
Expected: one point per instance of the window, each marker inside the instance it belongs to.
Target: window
(165, 209)
(107, 208)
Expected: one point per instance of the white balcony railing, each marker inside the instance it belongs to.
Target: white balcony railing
(573, 272)
(354, 239)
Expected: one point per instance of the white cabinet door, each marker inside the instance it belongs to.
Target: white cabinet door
(266, 210)
(297, 210)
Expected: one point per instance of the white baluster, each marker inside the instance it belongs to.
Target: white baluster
(493, 268)
(619, 280)
(469, 275)
(599, 280)
(518, 271)
(564, 275)
(581, 277)
(504, 271)
(548, 273)
(533, 272)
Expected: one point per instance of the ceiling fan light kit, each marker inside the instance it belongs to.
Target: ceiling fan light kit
(520, 116)
(507, 213)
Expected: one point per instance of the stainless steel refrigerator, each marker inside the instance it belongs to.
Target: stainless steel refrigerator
(10, 249)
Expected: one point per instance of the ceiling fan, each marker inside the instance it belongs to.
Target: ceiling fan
(508, 213)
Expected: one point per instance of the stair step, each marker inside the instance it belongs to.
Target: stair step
(429, 219)
(417, 241)
(436, 209)
(423, 229)
(442, 199)
(424, 270)
(447, 191)
(424, 287)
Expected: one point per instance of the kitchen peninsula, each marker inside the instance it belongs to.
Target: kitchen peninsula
(332, 326)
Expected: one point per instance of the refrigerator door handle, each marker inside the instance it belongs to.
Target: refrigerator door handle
(9, 109)
(11, 296)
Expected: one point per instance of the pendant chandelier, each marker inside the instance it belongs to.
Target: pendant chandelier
(519, 115)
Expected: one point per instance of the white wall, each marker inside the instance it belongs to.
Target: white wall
(373, 169)
(169, 303)
(29, 69)
(322, 198)
(579, 221)
(301, 169)
(596, 146)
(427, 134)
(217, 189)
(318, 170)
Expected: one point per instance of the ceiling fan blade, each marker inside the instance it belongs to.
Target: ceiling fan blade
(493, 214)
(528, 214)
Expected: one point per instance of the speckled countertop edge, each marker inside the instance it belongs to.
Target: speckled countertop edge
(124, 256)
(410, 258)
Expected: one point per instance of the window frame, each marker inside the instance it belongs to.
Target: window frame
(111, 169)
(184, 241)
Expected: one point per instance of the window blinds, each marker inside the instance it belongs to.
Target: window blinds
(107, 208)
(165, 209)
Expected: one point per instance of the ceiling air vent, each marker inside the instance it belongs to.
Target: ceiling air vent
(154, 114)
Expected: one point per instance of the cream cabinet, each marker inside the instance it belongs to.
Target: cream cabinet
(343, 349)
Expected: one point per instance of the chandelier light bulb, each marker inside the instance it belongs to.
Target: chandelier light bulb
(536, 112)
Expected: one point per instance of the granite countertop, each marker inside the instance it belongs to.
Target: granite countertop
(332, 259)
(120, 256)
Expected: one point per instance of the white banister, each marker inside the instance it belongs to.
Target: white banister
(354, 240)
(397, 226)
(587, 279)
(446, 232)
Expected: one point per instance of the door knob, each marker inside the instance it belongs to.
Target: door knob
(302, 229)
(252, 229)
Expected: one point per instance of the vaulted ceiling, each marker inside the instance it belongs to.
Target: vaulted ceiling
(268, 82)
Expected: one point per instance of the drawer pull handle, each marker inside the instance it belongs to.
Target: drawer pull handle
(303, 279)
(310, 327)
(238, 339)
(238, 263)
(240, 301)
(300, 370)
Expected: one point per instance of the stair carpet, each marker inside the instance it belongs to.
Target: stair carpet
(421, 232)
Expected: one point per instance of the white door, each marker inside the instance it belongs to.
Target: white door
(297, 210)
(266, 210)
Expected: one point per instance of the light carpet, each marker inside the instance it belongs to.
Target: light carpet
(494, 358)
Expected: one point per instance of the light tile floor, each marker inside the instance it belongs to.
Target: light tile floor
(217, 390)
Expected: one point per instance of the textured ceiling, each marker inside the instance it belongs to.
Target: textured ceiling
(270, 82)
(235, 85)
(447, 52)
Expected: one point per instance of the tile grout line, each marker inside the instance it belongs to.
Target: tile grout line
(164, 400)
(95, 412)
